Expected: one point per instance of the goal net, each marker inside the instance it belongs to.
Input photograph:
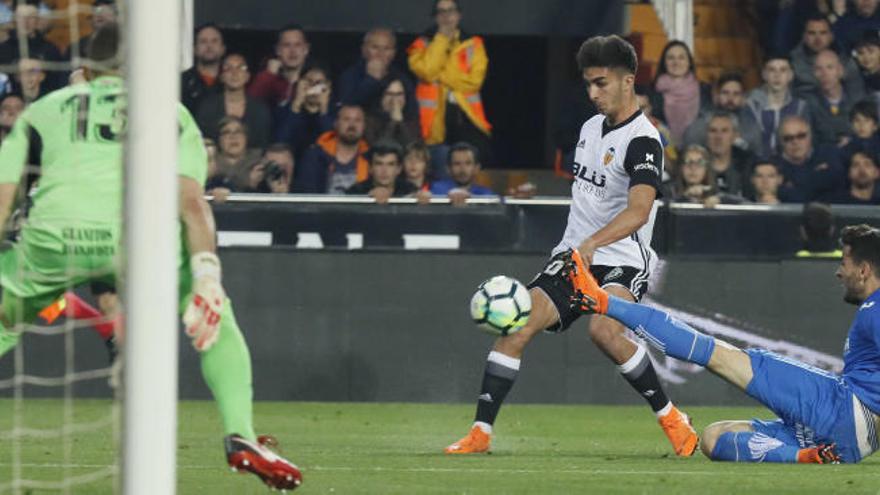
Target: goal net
(86, 407)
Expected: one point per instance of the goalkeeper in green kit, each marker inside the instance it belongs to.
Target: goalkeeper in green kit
(73, 231)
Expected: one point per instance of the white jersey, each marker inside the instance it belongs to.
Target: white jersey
(607, 162)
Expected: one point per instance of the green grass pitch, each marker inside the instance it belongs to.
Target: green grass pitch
(348, 448)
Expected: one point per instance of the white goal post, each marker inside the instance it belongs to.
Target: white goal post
(152, 37)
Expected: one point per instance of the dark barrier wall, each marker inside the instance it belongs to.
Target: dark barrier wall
(392, 326)
(529, 227)
(549, 17)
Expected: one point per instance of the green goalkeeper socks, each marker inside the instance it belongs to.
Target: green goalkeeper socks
(226, 367)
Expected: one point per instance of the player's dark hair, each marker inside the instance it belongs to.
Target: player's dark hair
(612, 52)
(662, 69)
(864, 244)
(386, 147)
(463, 146)
(865, 108)
(290, 27)
(104, 47)
(817, 220)
(731, 76)
(207, 25)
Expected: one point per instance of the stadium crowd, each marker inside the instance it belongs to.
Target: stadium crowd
(809, 132)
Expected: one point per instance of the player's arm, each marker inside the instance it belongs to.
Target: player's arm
(21, 146)
(643, 163)
(202, 315)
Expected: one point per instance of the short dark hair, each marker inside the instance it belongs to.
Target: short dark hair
(230, 119)
(290, 27)
(817, 221)
(207, 25)
(612, 52)
(104, 47)
(434, 6)
(278, 148)
(463, 146)
(815, 17)
(865, 108)
(730, 76)
(763, 161)
(776, 56)
(386, 147)
(864, 244)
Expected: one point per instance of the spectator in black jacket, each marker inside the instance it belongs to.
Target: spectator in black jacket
(384, 181)
(863, 176)
(310, 114)
(389, 120)
(808, 173)
(203, 77)
(363, 83)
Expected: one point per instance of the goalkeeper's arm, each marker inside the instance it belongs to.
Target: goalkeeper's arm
(202, 315)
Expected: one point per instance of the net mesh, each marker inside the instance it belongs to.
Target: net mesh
(59, 404)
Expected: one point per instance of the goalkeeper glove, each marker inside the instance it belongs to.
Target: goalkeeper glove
(202, 316)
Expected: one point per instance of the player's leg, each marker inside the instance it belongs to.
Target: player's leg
(499, 375)
(760, 441)
(634, 363)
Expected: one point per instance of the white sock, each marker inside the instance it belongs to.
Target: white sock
(666, 410)
(486, 427)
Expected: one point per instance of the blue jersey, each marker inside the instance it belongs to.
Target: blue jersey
(446, 185)
(861, 354)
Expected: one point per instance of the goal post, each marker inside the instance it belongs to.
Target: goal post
(152, 39)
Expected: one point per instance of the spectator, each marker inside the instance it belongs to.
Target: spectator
(11, 106)
(27, 22)
(678, 95)
(309, 114)
(868, 58)
(235, 158)
(217, 184)
(862, 18)
(818, 37)
(863, 175)
(389, 120)
(695, 182)
(729, 163)
(670, 152)
(463, 163)
(808, 173)
(415, 166)
(787, 24)
(30, 79)
(273, 173)
(766, 181)
(363, 83)
(277, 82)
(451, 67)
(336, 161)
(103, 12)
(863, 122)
(203, 78)
(817, 232)
(234, 102)
(774, 101)
(384, 181)
(728, 94)
(830, 103)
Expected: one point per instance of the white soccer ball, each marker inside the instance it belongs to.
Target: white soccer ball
(501, 306)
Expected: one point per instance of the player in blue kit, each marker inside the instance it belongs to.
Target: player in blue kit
(823, 417)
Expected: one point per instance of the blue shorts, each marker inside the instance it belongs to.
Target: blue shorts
(813, 405)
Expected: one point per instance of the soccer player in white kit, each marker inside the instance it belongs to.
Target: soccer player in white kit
(618, 167)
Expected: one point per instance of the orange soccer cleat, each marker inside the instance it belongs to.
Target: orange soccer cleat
(476, 442)
(677, 427)
(820, 454)
(588, 296)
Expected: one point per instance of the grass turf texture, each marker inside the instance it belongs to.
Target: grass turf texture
(397, 448)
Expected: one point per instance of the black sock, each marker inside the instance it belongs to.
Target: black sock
(639, 372)
(498, 378)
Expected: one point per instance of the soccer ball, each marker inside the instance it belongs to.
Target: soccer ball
(501, 306)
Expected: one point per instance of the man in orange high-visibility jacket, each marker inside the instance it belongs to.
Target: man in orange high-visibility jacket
(451, 67)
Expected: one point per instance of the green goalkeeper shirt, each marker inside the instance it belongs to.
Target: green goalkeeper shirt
(75, 136)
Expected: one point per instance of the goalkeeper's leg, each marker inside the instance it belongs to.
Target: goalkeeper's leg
(226, 367)
(17, 310)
